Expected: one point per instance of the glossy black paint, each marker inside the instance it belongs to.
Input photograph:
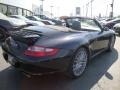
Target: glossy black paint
(66, 40)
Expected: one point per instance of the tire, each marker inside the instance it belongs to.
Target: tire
(78, 63)
(111, 44)
(2, 34)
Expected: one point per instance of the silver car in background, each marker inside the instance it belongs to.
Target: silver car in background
(29, 22)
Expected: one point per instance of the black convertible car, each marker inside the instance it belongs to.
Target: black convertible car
(51, 48)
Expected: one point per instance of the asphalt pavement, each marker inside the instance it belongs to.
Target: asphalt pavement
(102, 73)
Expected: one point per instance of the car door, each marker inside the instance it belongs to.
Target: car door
(99, 39)
(99, 42)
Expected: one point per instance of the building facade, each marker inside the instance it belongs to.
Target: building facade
(19, 7)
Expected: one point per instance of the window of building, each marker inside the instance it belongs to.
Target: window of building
(24, 12)
(28, 13)
(12, 10)
(3, 8)
(19, 11)
(31, 13)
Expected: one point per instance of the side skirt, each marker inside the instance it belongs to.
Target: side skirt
(98, 53)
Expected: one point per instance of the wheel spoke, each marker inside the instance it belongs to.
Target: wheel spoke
(80, 62)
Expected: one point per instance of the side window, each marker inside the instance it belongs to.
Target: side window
(31, 18)
(3, 9)
(89, 24)
(70, 21)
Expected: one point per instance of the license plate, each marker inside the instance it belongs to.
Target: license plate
(10, 59)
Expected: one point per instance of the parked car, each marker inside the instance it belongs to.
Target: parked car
(56, 22)
(29, 22)
(111, 23)
(52, 48)
(43, 17)
(116, 27)
(9, 24)
(35, 18)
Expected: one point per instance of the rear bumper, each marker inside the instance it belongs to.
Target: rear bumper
(58, 64)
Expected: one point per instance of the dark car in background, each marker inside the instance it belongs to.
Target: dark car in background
(111, 23)
(43, 17)
(29, 22)
(116, 27)
(9, 24)
(51, 48)
(57, 22)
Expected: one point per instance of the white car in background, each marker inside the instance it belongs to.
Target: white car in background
(35, 18)
(29, 22)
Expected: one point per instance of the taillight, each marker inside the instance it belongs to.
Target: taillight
(39, 51)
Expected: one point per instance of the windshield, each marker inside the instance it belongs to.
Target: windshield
(36, 18)
(23, 18)
(82, 24)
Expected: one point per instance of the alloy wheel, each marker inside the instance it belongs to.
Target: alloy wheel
(80, 62)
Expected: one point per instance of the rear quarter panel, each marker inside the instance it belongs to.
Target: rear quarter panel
(70, 42)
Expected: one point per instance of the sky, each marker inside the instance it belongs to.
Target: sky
(67, 7)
